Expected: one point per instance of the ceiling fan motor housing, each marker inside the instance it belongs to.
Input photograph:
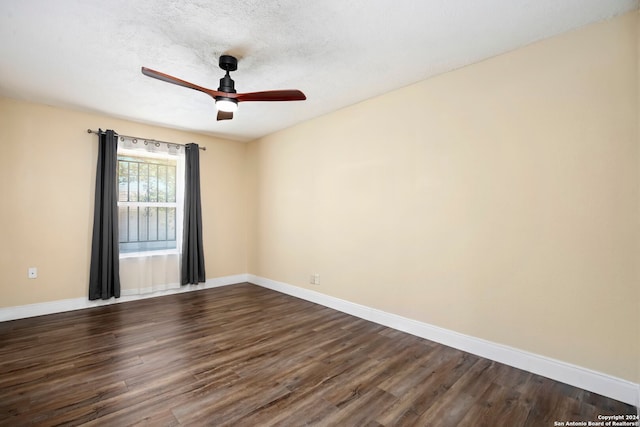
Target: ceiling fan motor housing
(227, 63)
(227, 84)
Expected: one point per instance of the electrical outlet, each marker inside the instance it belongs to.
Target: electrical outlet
(316, 279)
(33, 273)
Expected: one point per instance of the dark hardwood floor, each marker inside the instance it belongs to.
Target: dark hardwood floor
(242, 355)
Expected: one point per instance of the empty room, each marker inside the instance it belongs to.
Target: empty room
(320, 213)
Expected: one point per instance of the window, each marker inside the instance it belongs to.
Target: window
(149, 201)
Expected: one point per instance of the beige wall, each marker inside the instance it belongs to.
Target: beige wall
(500, 200)
(47, 179)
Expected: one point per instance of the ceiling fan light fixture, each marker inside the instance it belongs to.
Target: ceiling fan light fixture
(228, 105)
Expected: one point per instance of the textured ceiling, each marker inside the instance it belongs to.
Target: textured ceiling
(87, 54)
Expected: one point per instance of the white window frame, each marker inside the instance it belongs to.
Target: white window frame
(178, 204)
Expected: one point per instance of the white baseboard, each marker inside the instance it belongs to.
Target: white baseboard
(597, 382)
(39, 309)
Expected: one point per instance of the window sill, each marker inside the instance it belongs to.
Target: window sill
(147, 254)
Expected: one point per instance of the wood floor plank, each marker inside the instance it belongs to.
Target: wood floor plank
(243, 355)
(366, 408)
(300, 407)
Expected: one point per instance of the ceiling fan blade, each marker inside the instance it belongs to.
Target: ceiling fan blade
(272, 95)
(176, 81)
(224, 115)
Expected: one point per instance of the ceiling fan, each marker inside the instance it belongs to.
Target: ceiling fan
(226, 97)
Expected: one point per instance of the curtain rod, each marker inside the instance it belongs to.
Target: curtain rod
(97, 132)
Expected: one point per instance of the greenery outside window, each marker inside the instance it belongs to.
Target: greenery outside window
(148, 209)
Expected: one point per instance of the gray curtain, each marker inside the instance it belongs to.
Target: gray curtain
(192, 251)
(104, 275)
